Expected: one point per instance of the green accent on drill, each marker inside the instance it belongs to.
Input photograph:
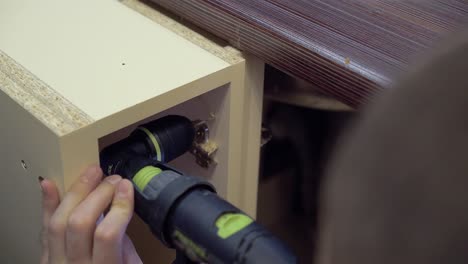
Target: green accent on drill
(228, 224)
(187, 243)
(153, 140)
(144, 176)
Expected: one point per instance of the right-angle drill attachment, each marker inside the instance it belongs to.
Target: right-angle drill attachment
(163, 140)
(185, 212)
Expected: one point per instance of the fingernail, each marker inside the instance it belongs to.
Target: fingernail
(41, 179)
(114, 179)
(92, 173)
(124, 189)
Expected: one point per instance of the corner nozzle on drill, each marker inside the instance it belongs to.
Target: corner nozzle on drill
(164, 140)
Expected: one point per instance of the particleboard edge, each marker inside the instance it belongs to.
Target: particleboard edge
(39, 99)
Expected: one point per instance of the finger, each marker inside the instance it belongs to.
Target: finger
(58, 222)
(50, 202)
(108, 238)
(130, 255)
(82, 221)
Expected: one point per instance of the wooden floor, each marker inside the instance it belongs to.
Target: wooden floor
(349, 49)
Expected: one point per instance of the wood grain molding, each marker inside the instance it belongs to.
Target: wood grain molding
(350, 50)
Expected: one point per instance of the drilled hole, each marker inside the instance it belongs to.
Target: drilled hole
(24, 165)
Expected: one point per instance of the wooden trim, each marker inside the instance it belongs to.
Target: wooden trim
(307, 99)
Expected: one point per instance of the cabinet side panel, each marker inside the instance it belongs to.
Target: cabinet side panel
(253, 105)
(246, 96)
(28, 149)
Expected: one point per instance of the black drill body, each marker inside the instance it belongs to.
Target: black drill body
(252, 244)
(185, 212)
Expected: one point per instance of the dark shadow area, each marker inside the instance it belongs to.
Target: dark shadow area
(292, 166)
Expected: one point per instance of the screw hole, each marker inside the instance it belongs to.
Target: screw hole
(123, 63)
(24, 165)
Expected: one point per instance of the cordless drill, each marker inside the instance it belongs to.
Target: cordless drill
(184, 212)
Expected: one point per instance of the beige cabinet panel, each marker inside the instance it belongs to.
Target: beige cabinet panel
(76, 76)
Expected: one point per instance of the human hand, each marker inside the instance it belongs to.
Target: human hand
(75, 229)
